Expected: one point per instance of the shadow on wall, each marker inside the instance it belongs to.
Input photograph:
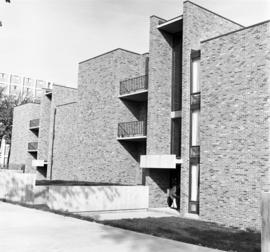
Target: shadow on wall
(132, 149)
(17, 186)
(18, 167)
(20, 187)
(138, 109)
(159, 177)
(135, 149)
(95, 198)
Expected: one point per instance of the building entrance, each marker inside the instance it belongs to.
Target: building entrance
(174, 193)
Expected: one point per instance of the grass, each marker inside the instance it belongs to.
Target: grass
(191, 231)
(196, 232)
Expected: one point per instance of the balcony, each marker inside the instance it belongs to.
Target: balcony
(195, 101)
(32, 146)
(133, 131)
(134, 89)
(34, 124)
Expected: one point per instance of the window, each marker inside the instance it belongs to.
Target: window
(195, 99)
(195, 128)
(194, 182)
(176, 137)
(195, 87)
(177, 72)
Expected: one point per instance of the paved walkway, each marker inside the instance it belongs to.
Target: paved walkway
(131, 214)
(29, 230)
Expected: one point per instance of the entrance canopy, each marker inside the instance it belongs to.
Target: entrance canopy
(159, 161)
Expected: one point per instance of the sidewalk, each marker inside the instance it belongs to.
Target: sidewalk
(29, 230)
(131, 214)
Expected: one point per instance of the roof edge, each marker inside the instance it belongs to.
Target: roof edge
(65, 104)
(64, 86)
(188, 1)
(158, 17)
(244, 28)
(108, 53)
(28, 103)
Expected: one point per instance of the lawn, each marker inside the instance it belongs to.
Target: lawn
(193, 231)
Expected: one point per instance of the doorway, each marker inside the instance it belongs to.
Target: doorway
(175, 179)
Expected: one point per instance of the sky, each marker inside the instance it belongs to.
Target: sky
(46, 39)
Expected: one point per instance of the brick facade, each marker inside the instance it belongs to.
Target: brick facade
(198, 24)
(101, 156)
(235, 113)
(60, 95)
(65, 146)
(78, 133)
(159, 109)
(20, 158)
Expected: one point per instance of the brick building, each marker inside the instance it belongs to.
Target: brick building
(22, 86)
(195, 109)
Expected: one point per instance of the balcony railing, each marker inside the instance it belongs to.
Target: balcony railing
(195, 101)
(32, 146)
(133, 85)
(132, 129)
(34, 124)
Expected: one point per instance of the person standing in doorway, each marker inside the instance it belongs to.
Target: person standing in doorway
(174, 196)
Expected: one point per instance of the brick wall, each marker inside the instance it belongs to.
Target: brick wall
(65, 143)
(44, 127)
(198, 24)
(60, 95)
(235, 114)
(159, 90)
(101, 157)
(21, 136)
(159, 110)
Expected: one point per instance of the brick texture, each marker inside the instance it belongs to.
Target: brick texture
(100, 156)
(20, 158)
(65, 143)
(198, 24)
(159, 110)
(235, 113)
(44, 127)
(60, 95)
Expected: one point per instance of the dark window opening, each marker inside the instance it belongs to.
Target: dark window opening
(176, 137)
(177, 72)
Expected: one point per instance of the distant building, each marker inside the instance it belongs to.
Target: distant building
(193, 111)
(24, 86)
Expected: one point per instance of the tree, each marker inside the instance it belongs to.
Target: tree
(7, 1)
(7, 104)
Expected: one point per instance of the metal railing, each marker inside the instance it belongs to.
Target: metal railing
(134, 84)
(34, 123)
(32, 146)
(132, 129)
(195, 100)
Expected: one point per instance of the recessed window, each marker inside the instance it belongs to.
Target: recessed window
(195, 128)
(194, 182)
(194, 172)
(195, 87)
